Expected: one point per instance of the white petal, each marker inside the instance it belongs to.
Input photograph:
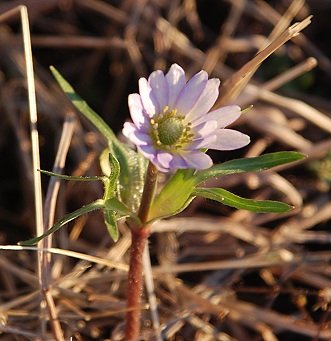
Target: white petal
(224, 116)
(205, 101)
(137, 111)
(176, 81)
(128, 129)
(227, 139)
(191, 93)
(160, 88)
(148, 98)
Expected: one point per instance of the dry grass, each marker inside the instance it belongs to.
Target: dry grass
(218, 274)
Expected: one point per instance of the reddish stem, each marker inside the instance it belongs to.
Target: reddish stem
(135, 284)
(135, 277)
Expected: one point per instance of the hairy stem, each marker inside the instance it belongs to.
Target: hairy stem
(139, 239)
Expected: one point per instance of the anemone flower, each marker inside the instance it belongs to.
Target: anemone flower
(172, 125)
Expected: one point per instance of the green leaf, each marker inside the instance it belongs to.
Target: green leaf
(253, 164)
(105, 163)
(113, 209)
(122, 210)
(111, 223)
(181, 188)
(96, 205)
(133, 165)
(110, 180)
(83, 107)
(132, 177)
(73, 178)
(174, 196)
(227, 198)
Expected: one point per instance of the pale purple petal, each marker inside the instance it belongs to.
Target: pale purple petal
(176, 81)
(228, 139)
(160, 168)
(148, 98)
(204, 129)
(164, 158)
(205, 101)
(178, 162)
(137, 112)
(193, 159)
(200, 143)
(224, 116)
(149, 153)
(160, 88)
(135, 136)
(191, 100)
(191, 93)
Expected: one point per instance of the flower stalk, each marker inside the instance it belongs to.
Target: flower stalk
(139, 237)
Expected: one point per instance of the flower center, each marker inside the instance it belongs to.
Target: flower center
(170, 130)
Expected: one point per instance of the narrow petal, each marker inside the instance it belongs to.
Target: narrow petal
(160, 88)
(137, 112)
(191, 93)
(193, 159)
(227, 139)
(176, 81)
(224, 116)
(148, 98)
(205, 101)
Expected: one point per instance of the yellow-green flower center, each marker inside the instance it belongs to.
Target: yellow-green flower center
(168, 130)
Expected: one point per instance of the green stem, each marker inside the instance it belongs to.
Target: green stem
(140, 235)
(148, 193)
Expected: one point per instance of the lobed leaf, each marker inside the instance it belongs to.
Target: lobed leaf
(181, 188)
(174, 196)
